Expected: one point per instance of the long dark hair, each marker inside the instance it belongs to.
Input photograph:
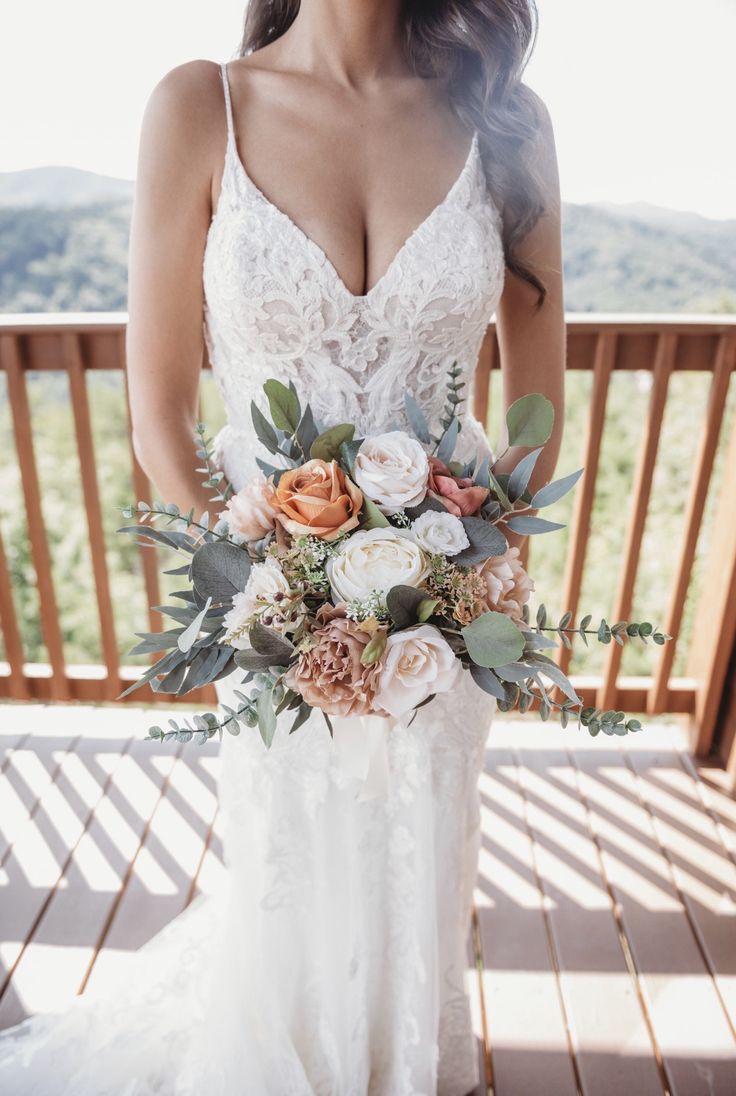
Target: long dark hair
(481, 47)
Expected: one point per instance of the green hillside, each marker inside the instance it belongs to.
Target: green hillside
(64, 242)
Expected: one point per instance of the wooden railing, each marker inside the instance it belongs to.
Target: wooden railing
(660, 346)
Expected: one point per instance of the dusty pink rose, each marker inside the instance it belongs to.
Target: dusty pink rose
(457, 494)
(508, 586)
(330, 676)
(251, 511)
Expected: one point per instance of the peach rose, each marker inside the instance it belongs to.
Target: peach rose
(330, 675)
(317, 499)
(251, 511)
(457, 493)
(508, 586)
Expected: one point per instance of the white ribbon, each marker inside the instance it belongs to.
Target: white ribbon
(361, 746)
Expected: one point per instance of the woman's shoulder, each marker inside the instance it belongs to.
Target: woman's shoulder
(192, 86)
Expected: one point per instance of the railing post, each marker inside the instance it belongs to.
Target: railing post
(714, 629)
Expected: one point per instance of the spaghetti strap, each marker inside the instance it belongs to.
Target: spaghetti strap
(228, 101)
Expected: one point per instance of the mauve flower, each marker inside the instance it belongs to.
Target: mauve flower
(508, 586)
(330, 675)
(457, 493)
(317, 499)
(251, 511)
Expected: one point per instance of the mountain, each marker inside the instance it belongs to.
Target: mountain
(643, 258)
(60, 187)
(64, 243)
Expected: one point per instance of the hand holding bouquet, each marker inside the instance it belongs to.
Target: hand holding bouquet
(364, 576)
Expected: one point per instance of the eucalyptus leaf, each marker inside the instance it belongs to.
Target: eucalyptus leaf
(267, 641)
(515, 671)
(553, 491)
(417, 419)
(486, 540)
(487, 681)
(283, 404)
(302, 716)
(306, 431)
(371, 516)
(220, 570)
(403, 604)
(248, 659)
(326, 445)
(266, 717)
(529, 420)
(427, 503)
(520, 476)
(528, 525)
(555, 674)
(347, 453)
(493, 640)
(190, 634)
(447, 442)
(264, 431)
(481, 476)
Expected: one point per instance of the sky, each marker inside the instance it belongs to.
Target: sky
(641, 92)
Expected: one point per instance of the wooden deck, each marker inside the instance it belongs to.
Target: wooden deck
(603, 953)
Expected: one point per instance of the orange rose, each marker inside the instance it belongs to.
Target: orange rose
(317, 499)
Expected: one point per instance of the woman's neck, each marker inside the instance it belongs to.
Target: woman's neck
(351, 42)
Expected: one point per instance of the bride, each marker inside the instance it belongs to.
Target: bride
(344, 205)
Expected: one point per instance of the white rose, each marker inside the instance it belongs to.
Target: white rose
(417, 662)
(440, 532)
(375, 559)
(250, 512)
(392, 469)
(264, 582)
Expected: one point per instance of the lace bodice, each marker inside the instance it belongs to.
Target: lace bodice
(275, 306)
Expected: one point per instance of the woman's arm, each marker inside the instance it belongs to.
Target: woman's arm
(182, 135)
(533, 342)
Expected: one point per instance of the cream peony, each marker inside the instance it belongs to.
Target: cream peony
(417, 662)
(266, 591)
(251, 511)
(440, 533)
(508, 586)
(392, 469)
(375, 559)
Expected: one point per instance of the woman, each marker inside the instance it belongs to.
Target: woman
(345, 205)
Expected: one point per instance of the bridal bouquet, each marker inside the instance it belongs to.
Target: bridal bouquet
(364, 576)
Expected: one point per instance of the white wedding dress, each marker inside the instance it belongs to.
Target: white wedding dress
(331, 960)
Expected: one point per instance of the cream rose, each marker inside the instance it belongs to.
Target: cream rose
(251, 511)
(266, 591)
(392, 469)
(416, 663)
(440, 532)
(375, 559)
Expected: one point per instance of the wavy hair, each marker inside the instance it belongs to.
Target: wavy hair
(481, 48)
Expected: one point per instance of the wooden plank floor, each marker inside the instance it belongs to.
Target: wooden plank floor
(602, 955)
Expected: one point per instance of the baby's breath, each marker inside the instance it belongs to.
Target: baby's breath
(361, 608)
(304, 564)
(402, 519)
